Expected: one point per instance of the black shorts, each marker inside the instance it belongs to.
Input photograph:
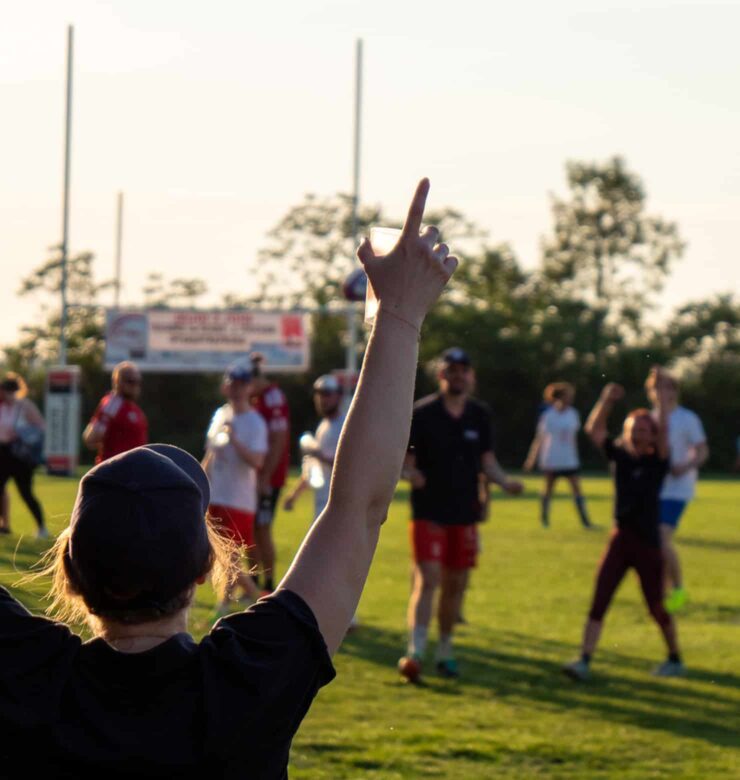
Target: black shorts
(561, 472)
(267, 506)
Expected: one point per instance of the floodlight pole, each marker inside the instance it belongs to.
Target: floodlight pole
(119, 242)
(65, 200)
(351, 308)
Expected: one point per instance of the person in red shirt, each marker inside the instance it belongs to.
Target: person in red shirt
(118, 423)
(270, 401)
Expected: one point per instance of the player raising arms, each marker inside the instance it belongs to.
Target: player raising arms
(555, 449)
(640, 458)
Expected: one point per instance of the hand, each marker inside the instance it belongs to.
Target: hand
(513, 487)
(417, 479)
(684, 468)
(263, 486)
(612, 392)
(409, 279)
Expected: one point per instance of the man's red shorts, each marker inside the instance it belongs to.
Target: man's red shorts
(454, 546)
(236, 524)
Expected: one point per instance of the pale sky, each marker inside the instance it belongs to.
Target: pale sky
(215, 118)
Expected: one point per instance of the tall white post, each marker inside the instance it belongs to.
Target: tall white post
(119, 242)
(65, 200)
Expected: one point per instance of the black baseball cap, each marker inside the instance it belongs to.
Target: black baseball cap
(138, 535)
(456, 355)
(239, 372)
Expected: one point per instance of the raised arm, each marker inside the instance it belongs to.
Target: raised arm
(330, 569)
(595, 427)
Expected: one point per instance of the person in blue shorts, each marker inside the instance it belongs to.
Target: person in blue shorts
(688, 453)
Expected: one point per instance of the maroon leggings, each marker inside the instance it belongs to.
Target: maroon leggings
(627, 549)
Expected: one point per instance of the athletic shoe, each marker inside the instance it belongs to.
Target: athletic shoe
(42, 533)
(676, 600)
(545, 522)
(577, 670)
(409, 667)
(448, 668)
(670, 669)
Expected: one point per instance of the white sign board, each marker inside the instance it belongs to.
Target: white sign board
(62, 413)
(177, 340)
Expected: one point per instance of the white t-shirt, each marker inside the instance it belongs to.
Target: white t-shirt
(233, 481)
(558, 448)
(327, 439)
(685, 432)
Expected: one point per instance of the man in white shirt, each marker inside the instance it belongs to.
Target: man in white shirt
(688, 452)
(327, 397)
(236, 444)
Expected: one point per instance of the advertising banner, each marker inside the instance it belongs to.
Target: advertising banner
(177, 340)
(62, 413)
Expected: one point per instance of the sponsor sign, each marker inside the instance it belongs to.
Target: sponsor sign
(177, 340)
(62, 413)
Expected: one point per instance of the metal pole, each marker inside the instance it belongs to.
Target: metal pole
(351, 309)
(119, 241)
(65, 202)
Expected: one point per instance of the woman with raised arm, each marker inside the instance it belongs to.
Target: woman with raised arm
(640, 458)
(142, 698)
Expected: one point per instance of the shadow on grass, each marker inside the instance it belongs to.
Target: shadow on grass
(709, 544)
(522, 667)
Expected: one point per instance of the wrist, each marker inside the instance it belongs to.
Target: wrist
(395, 313)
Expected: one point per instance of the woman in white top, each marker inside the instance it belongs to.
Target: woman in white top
(19, 415)
(555, 448)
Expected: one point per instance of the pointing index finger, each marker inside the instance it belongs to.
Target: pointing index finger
(412, 226)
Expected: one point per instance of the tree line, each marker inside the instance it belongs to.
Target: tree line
(579, 316)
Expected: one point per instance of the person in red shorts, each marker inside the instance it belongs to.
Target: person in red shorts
(449, 448)
(270, 401)
(236, 444)
(641, 461)
(118, 423)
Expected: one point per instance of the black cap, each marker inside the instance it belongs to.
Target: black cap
(138, 535)
(456, 355)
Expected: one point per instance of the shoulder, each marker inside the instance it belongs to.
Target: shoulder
(111, 404)
(687, 416)
(428, 404)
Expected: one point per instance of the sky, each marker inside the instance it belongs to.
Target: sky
(214, 119)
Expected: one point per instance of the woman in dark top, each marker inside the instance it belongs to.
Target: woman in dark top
(640, 458)
(143, 699)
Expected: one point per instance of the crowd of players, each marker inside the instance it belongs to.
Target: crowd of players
(150, 523)
(449, 465)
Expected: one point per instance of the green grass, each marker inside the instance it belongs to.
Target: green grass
(513, 715)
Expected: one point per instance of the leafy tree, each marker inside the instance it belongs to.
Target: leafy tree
(161, 293)
(604, 247)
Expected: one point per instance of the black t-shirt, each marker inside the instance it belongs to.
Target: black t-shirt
(638, 482)
(226, 707)
(448, 452)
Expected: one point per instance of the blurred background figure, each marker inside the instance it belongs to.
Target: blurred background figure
(118, 423)
(236, 445)
(555, 448)
(21, 444)
(688, 452)
(270, 401)
(327, 398)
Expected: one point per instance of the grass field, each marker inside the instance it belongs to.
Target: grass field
(512, 715)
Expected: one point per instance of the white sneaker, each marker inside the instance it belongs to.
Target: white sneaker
(670, 669)
(42, 533)
(577, 670)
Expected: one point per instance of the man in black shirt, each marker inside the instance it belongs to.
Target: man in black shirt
(640, 460)
(450, 447)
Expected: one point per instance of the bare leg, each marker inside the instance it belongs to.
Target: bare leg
(425, 583)
(670, 557)
(454, 583)
(265, 549)
(591, 634)
(580, 501)
(550, 480)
